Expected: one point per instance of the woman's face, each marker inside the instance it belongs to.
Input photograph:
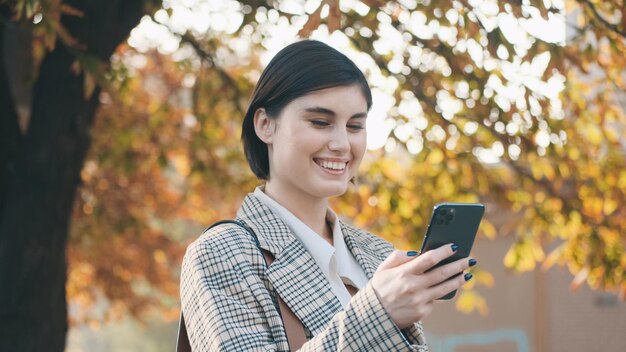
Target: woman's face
(317, 142)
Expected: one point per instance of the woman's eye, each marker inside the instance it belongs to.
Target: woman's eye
(356, 127)
(319, 123)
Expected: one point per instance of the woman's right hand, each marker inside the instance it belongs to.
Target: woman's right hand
(407, 292)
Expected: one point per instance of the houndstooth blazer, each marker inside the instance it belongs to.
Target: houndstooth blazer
(228, 295)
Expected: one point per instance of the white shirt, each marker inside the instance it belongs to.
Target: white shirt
(337, 262)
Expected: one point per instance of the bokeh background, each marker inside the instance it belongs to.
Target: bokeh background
(120, 143)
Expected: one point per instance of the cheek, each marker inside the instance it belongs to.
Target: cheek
(292, 150)
(359, 144)
(309, 140)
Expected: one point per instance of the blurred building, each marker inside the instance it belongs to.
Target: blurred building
(533, 311)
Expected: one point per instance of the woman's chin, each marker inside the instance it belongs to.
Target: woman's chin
(335, 190)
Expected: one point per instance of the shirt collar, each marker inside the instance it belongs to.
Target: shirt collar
(320, 250)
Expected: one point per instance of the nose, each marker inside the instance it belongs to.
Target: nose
(339, 141)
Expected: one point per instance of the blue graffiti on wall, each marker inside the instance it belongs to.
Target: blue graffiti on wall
(448, 343)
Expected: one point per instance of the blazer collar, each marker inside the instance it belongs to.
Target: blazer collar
(365, 248)
(294, 274)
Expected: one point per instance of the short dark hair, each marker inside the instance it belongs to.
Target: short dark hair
(298, 69)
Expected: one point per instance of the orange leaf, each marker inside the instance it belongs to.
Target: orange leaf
(312, 23)
(373, 3)
(334, 16)
(69, 10)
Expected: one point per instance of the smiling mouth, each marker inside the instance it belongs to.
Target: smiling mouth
(332, 165)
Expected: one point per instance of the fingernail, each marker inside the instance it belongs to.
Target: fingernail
(411, 253)
(455, 247)
(468, 276)
(472, 262)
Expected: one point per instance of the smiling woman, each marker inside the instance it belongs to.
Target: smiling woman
(321, 137)
(347, 289)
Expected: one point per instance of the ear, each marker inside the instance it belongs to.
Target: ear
(264, 126)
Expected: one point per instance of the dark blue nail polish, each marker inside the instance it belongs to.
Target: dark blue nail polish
(455, 247)
(472, 262)
(411, 253)
(468, 276)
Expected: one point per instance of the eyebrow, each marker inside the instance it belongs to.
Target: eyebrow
(325, 111)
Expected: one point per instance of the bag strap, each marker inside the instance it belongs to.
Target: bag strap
(293, 326)
(182, 344)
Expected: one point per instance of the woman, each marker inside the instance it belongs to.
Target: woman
(304, 135)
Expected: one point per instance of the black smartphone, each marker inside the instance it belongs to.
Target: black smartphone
(453, 223)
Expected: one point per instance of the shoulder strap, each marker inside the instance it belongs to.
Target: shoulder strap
(293, 326)
(182, 343)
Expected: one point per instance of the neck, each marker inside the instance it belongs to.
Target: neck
(310, 210)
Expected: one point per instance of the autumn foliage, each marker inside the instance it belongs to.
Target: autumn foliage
(485, 108)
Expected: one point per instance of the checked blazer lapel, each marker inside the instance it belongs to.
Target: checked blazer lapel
(368, 250)
(294, 274)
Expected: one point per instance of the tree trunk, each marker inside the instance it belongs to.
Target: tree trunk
(9, 128)
(40, 180)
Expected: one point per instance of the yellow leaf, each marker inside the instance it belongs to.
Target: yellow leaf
(404, 209)
(548, 171)
(159, 256)
(181, 164)
(445, 185)
(593, 207)
(383, 201)
(89, 85)
(609, 206)
(435, 157)
(540, 197)
(536, 170)
(487, 229)
(392, 170)
(573, 153)
(610, 236)
(564, 170)
(594, 134)
(484, 278)
(524, 255)
(469, 301)
(612, 136)
(622, 180)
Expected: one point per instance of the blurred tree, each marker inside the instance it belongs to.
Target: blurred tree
(40, 165)
(486, 108)
(177, 126)
(532, 124)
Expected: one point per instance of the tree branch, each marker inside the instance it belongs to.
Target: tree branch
(208, 58)
(606, 23)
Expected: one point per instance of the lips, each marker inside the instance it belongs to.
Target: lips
(332, 165)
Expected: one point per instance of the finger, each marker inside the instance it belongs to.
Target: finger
(448, 286)
(449, 270)
(397, 258)
(428, 259)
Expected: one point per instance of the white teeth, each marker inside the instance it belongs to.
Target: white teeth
(332, 165)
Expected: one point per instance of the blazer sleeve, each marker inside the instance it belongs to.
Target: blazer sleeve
(365, 325)
(227, 307)
(221, 302)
